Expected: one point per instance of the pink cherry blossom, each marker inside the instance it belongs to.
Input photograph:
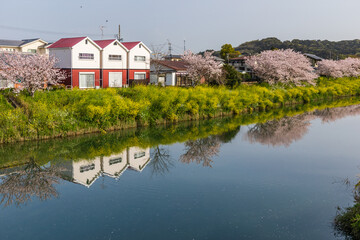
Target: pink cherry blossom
(282, 66)
(30, 71)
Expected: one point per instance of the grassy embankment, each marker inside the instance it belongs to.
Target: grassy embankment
(90, 146)
(62, 113)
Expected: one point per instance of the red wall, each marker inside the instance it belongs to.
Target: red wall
(132, 71)
(105, 76)
(75, 76)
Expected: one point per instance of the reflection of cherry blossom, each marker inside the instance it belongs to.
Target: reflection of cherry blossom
(284, 131)
(201, 150)
(287, 130)
(32, 181)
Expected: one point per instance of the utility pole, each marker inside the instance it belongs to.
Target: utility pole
(119, 35)
(170, 48)
(184, 46)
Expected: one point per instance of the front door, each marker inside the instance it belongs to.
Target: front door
(115, 79)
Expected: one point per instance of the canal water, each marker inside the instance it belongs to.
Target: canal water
(279, 175)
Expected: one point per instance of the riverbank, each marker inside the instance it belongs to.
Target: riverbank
(64, 113)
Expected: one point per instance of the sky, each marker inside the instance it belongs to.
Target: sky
(203, 24)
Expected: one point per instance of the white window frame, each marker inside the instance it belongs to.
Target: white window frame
(139, 58)
(91, 56)
(112, 57)
(87, 73)
(120, 79)
(142, 73)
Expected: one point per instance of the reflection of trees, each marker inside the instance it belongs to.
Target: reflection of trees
(332, 114)
(160, 161)
(201, 150)
(32, 181)
(280, 132)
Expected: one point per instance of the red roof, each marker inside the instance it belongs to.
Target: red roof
(104, 43)
(130, 45)
(66, 42)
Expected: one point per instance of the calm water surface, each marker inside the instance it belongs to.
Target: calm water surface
(281, 179)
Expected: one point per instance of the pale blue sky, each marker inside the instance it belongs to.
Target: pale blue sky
(204, 24)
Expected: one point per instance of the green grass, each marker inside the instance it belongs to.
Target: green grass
(63, 112)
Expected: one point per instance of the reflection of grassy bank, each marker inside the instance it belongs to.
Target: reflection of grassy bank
(62, 113)
(94, 145)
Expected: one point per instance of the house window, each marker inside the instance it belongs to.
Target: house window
(139, 76)
(115, 161)
(87, 168)
(86, 56)
(115, 57)
(115, 43)
(86, 80)
(139, 58)
(31, 50)
(86, 41)
(139, 155)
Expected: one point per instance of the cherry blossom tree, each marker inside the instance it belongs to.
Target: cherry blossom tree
(30, 71)
(203, 67)
(282, 66)
(349, 67)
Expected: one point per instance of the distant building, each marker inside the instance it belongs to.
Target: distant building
(35, 45)
(239, 64)
(172, 57)
(313, 59)
(169, 73)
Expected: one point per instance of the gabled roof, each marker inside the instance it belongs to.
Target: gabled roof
(105, 43)
(130, 45)
(313, 56)
(66, 42)
(18, 43)
(176, 65)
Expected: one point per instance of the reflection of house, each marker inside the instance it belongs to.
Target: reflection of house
(115, 165)
(138, 158)
(85, 172)
(169, 73)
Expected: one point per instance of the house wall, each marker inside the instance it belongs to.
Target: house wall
(137, 51)
(138, 163)
(63, 55)
(76, 72)
(33, 45)
(81, 47)
(112, 49)
(86, 172)
(115, 168)
(133, 71)
(105, 76)
(170, 79)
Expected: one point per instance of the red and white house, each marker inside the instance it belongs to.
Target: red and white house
(102, 63)
(113, 63)
(138, 62)
(80, 57)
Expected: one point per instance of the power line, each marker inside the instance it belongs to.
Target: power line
(49, 32)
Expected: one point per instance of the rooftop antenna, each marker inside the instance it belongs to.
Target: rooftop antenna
(102, 31)
(184, 46)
